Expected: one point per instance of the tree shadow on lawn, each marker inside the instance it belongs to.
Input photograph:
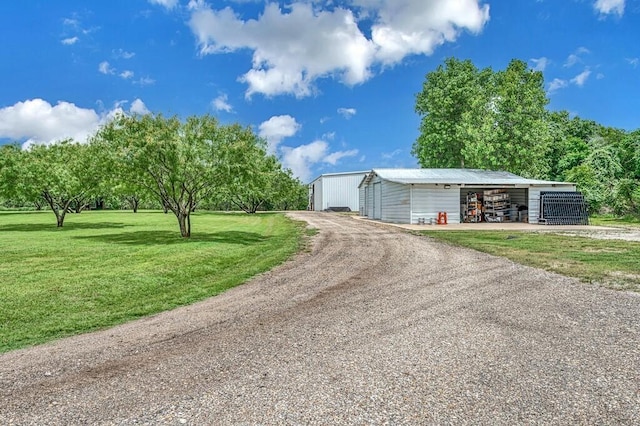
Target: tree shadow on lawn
(68, 226)
(173, 237)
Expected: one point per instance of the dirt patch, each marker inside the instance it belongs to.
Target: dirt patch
(371, 326)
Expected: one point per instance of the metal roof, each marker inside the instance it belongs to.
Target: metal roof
(455, 177)
(363, 172)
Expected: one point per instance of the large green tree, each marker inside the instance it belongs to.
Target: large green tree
(483, 119)
(186, 163)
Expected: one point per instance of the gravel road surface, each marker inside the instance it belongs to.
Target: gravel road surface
(371, 326)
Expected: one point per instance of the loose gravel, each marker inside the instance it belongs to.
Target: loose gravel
(371, 326)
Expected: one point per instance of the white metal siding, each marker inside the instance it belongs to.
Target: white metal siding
(363, 203)
(429, 200)
(339, 190)
(317, 194)
(396, 202)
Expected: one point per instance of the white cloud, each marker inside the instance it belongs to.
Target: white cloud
(145, 81)
(609, 7)
(105, 68)
(69, 41)
(36, 121)
(120, 53)
(405, 27)
(556, 85)
(576, 57)
(581, 78)
(221, 104)
(277, 128)
(39, 122)
(347, 112)
(329, 136)
(126, 74)
(634, 62)
(390, 155)
(302, 158)
(138, 107)
(540, 64)
(334, 157)
(298, 44)
(169, 4)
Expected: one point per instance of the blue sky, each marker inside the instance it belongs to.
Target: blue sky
(330, 84)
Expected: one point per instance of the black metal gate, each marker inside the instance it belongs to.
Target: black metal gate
(563, 208)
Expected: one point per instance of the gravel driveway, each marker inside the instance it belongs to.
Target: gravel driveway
(372, 326)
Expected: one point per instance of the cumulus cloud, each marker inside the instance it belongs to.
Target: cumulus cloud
(609, 7)
(221, 104)
(105, 68)
(126, 74)
(302, 158)
(70, 40)
(581, 79)
(169, 4)
(278, 127)
(540, 64)
(40, 122)
(576, 57)
(301, 43)
(556, 85)
(347, 112)
(36, 121)
(138, 107)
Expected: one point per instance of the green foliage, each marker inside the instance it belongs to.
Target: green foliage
(497, 120)
(63, 175)
(483, 119)
(107, 268)
(179, 163)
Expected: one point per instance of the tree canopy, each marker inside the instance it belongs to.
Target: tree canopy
(483, 119)
(486, 119)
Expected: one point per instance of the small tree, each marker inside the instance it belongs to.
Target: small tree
(59, 174)
(179, 163)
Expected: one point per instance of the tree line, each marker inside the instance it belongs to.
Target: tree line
(152, 161)
(498, 120)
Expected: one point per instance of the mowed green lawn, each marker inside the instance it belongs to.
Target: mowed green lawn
(105, 268)
(612, 263)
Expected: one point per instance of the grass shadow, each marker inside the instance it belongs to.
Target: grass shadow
(173, 237)
(40, 227)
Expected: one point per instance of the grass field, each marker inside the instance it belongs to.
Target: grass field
(612, 263)
(106, 268)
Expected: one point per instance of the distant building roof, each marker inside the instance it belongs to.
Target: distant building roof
(363, 172)
(455, 177)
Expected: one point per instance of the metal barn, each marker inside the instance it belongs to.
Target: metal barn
(337, 191)
(415, 196)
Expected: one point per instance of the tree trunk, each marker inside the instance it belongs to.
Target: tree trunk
(184, 220)
(60, 218)
(134, 203)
